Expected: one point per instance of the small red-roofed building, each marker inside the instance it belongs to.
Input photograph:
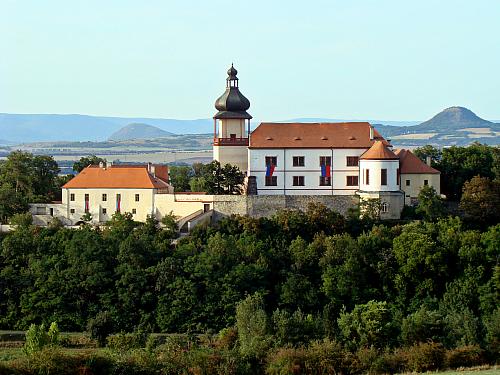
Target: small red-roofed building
(414, 174)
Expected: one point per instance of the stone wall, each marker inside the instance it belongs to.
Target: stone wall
(267, 205)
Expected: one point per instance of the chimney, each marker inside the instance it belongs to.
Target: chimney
(428, 160)
(371, 133)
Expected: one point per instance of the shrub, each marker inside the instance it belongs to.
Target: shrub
(465, 356)
(38, 338)
(100, 327)
(328, 357)
(295, 329)
(493, 335)
(50, 360)
(422, 326)
(424, 357)
(227, 338)
(287, 361)
(127, 341)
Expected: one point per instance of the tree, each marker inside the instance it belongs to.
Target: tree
(367, 325)
(180, 176)
(233, 179)
(253, 326)
(370, 209)
(214, 178)
(11, 202)
(481, 200)
(430, 205)
(423, 152)
(86, 161)
(460, 164)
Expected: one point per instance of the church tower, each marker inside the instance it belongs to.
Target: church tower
(232, 125)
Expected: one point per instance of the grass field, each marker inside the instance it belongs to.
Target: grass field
(483, 370)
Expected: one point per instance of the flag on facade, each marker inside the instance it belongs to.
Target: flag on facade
(86, 205)
(325, 170)
(118, 202)
(269, 170)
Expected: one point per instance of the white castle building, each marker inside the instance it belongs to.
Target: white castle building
(279, 159)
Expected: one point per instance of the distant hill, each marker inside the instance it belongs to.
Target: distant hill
(138, 131)
(452, 126)
(455, 125)
(19, 128)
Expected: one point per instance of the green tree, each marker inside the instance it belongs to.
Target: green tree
(423, 152)
(481, 200)
(369, 324)
(86, 161)
(430, 205)
(11, 202)
(460, 164)
(214, 178)
(233, 179)
(180, 176)
(253, 327)
(370, 209)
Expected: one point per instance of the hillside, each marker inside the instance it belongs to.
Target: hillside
(452, 126)
(138, 131)
(19, 128)
(455, 125)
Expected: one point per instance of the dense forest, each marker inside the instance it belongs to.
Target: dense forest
(291, 285)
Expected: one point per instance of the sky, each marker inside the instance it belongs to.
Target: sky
(357, 59)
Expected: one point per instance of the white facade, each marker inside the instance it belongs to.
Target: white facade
(102, 203)
(311, 171)
(373, 182)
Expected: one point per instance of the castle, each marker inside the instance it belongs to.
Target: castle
(287, 165)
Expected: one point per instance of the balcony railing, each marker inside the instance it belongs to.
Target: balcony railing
(231, 141)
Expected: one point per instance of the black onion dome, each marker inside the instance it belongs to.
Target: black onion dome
(232, 72)
(232, 104)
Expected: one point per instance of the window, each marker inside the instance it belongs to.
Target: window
(104, 197)
(383, 176)
(232, 136)
(298, 180)
(72, 197)
(352, 161)
(325, 160)
(137, 197)
(407, 182)
(352, 180)
(72, 211)
(384, 208)
(298, 161)
(271, 181)
(271, 160)
(426, 182)
(367, 176)
(86, 203)
(104, 211)
(134, 211)
(325, 181)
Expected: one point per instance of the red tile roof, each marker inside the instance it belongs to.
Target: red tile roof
(313, 135)
(116, 176)
(378, 151)
(409, 163)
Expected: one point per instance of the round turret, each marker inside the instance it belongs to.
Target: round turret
(379, 169)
